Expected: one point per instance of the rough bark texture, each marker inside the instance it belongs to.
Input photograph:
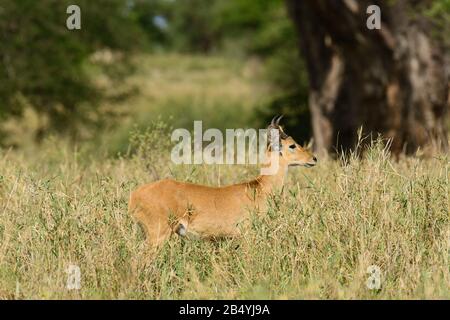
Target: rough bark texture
(391, 81)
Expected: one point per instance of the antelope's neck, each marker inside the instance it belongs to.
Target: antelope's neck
(274, 182)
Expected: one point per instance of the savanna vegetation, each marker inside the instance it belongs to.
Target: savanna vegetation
(65, 203)
(86, 116)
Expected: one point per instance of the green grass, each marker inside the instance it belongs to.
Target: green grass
(62, 204)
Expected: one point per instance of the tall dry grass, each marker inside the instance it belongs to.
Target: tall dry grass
(63, 205)
(316, 240)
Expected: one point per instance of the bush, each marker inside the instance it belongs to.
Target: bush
(46, 65)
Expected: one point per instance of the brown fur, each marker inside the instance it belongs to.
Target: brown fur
(165, 206)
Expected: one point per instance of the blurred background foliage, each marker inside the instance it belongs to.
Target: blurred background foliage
(50, 69)
(65, 76)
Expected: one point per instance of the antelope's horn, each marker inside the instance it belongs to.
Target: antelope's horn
(277, 122)
(272, 123)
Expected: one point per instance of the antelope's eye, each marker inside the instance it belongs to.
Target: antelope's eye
(292, 146)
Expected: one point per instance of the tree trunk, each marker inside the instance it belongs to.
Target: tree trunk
(390, 80)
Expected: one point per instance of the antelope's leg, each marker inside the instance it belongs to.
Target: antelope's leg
(156, 227)
(158, 232)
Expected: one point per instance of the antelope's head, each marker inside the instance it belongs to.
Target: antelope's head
(290, 152)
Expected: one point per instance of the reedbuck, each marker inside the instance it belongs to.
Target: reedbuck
(168, 206)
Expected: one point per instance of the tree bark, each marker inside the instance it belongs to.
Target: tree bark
(391, 80)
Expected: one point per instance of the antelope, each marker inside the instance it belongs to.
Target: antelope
(168, 207)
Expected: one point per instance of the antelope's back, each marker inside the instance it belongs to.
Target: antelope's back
(177, 197)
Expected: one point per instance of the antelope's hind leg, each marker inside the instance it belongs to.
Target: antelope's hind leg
(157, 229)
